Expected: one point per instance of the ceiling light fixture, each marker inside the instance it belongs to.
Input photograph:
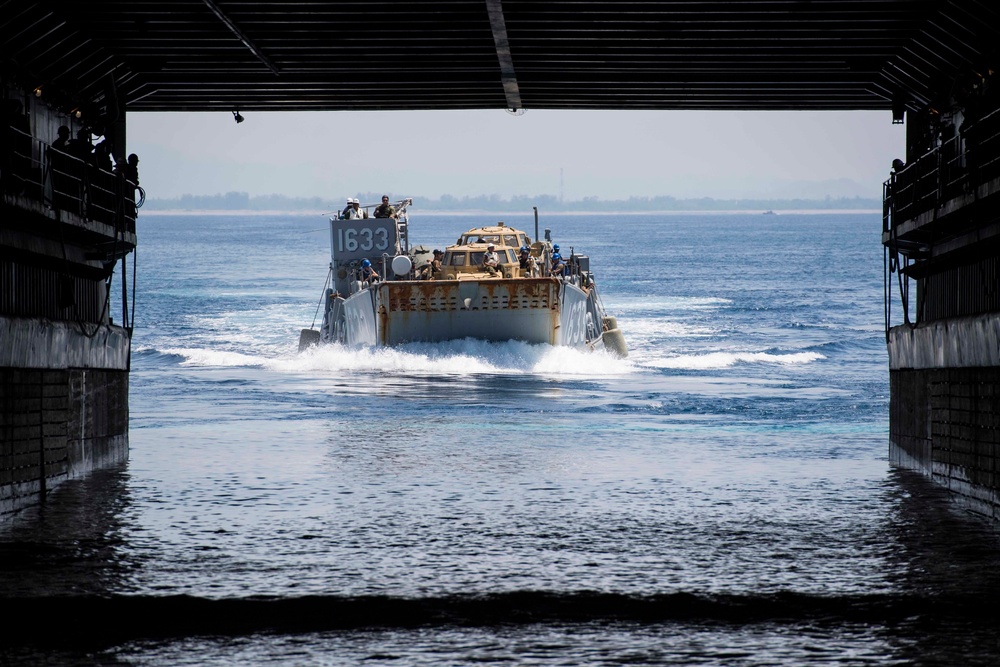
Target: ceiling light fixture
(898, 112)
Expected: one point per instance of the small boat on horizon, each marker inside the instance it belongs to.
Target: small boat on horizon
(380, 291)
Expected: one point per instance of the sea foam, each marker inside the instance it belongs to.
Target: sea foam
(458, 357)
(727, 359)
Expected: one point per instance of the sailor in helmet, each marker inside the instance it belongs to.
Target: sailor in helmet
(527, 262)
(558, 264)
(491, 260)
(346, 213)
(522, 258)
(358, 213)
(366, 273)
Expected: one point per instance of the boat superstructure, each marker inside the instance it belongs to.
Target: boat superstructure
(419, 296)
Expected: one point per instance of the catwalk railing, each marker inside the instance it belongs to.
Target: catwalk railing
(53, 196)
(955, 168)
(32, 169)
(919, 201)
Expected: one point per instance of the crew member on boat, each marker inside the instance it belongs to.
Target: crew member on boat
(432, 269)
(558, 265)
(528, 265)
(491, 260)
(385, 209)
(356, 213)
(366, 273)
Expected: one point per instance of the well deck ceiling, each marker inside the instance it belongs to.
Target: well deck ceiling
(202, 55)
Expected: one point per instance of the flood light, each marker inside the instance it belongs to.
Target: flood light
(898, 112)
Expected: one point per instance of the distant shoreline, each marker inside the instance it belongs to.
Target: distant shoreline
(242, 203)
(775, 213)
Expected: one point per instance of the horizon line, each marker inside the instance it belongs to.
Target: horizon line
(501, 198)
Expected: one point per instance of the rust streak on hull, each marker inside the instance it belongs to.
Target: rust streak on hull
(493, 309)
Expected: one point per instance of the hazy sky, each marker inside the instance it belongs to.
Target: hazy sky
(604, 154)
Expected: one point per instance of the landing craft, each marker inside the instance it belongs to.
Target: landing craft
(381, 291)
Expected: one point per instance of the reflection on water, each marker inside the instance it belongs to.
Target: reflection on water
(721, 497)
(907, 587)
(72, 544)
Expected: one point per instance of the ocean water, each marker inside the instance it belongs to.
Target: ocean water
(721, 497)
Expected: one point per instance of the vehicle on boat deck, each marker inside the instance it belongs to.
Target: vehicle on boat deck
(374, 297)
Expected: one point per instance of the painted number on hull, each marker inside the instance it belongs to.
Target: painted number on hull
(574, 324)
(365, 240)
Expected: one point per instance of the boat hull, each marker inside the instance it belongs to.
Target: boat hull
(479, 288)
(533, 310)
(494, 309)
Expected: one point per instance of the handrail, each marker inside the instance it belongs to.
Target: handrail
(33, 169)
(956, 167)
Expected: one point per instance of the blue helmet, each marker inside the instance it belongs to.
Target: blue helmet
(556, 257)
(365, 263)
(525, 248)
(555, 246)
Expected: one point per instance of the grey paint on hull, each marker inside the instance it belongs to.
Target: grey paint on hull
(360, 326)
(958, 342)
(43, 344)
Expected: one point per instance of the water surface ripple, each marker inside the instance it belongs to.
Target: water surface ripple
(721, 497)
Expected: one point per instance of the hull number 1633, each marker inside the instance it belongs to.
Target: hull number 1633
(364, 239)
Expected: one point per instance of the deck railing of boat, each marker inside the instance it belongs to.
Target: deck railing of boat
(402, 221)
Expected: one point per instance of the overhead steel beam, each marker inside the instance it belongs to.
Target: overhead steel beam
(335, 55)
(242, 36)
(507, 75)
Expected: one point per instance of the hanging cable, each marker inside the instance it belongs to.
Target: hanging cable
(124, 265)
(78, 317)
(888, 226)
(886, 290)
(894, 266)
(124, 289)
(326, 284)
(135, 262)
